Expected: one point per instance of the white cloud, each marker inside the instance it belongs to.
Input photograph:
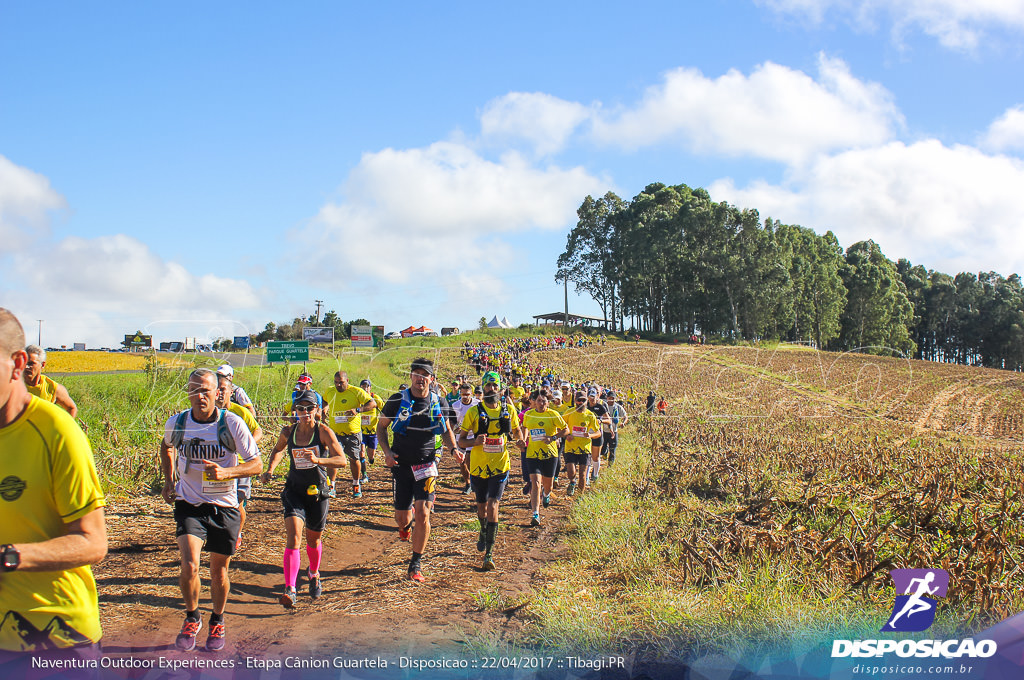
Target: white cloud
(1007, 132)
(26, 199)
(409, 214)
(948, 208)
(118, 273)
(956, 24)
(545, 121)
(775, 113)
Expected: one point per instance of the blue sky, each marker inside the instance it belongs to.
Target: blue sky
(202, 168)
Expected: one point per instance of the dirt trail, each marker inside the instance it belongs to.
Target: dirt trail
(368, 605)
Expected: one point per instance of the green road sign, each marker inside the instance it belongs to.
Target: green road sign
(287, 350)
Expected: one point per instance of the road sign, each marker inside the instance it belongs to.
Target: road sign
(362, 337)
(287, 350)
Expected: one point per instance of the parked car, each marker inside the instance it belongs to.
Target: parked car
(393, 335)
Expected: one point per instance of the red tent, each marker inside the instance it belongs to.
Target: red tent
(407, 333)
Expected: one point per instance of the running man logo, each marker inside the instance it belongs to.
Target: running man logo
(914, 610)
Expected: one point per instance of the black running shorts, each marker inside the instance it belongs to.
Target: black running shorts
(216, 525)
(407, 489)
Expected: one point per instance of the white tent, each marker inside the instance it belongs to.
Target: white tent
(494, 323)
(505, 322)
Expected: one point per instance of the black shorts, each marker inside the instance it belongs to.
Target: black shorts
(370, 441)
(545, 467)
(216, 525)
(599, 442)
(351, 444)
(312, 509)
(407, 489)
(577, 458)
(489, 488)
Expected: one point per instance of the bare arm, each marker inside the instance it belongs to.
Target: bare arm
(167, 469)
(330, 440)
(64, 400)
(382, 441)
(85, 542)
(276, 455)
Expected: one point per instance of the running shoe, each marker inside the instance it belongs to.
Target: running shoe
(488, 563)
(571, 489)
(404, 534)
(316, 588)
(186, 640)
(481, 543)
(535, 520)
(611, 460)
(554, 483)
(288, 598)
(365, 479)
(215, 640)
(357, 492)
(332, 493)
(546, 500)
(416, 575)
(468, 489)
(526, 489)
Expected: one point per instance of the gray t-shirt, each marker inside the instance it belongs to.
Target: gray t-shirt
(200, 443)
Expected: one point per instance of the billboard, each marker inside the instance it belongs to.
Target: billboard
(138, 340)
(378, 336)
(362, 336)
(240, 342)
(79, 346)
(313, 334)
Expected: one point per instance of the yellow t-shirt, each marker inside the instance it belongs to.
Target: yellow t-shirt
(517, 393)
(336, 403)
(489, 455)
(246, 416)
(45, 390)
(47, 479)
(539, 425)
(369, 420)
(580, 425)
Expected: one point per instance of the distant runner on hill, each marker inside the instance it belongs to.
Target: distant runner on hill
(40, 386)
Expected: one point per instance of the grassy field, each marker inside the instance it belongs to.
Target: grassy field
(766, 510)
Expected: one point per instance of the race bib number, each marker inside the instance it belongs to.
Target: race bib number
(493, 445)
(423, 471)
(214, 487)
(579, 432)
(303, 458)
(538, 434)
(341, 419)
(366, 420)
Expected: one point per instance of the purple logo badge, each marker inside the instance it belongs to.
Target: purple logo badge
(914, 609)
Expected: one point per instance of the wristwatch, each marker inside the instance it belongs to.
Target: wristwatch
(10, 558)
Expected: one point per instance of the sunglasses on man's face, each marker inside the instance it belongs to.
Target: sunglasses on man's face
(305, 409)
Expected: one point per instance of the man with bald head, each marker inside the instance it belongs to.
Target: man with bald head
(343, 409)
(51, 524)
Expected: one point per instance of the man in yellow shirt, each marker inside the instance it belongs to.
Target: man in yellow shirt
(487, 430)
(343, 409)
(369, 427)
(543, 426)
(584, 427)
(51, 524)
(41, 386)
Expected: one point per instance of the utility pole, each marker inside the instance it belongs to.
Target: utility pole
(39, 340)
(319, 304)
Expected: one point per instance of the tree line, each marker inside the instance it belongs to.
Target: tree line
(673, 261)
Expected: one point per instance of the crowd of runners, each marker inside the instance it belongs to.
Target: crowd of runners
(514, 418)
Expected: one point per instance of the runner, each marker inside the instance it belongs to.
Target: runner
(238, 395)
(343, 409)
(203, 452)
(369, 426)
(41, 386)
(51, 525)
(465, 402)
(601, 412)
(618, 418)
(487, 431)
(224, 390)
(584, 428)
(304, 497)
(543, 426)
(418, 416)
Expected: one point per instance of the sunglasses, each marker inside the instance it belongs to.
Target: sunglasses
(305, 409)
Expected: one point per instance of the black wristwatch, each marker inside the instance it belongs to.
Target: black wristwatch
(10, 558)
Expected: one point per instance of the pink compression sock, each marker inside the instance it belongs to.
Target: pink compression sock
(291, 566)
(315, 552)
